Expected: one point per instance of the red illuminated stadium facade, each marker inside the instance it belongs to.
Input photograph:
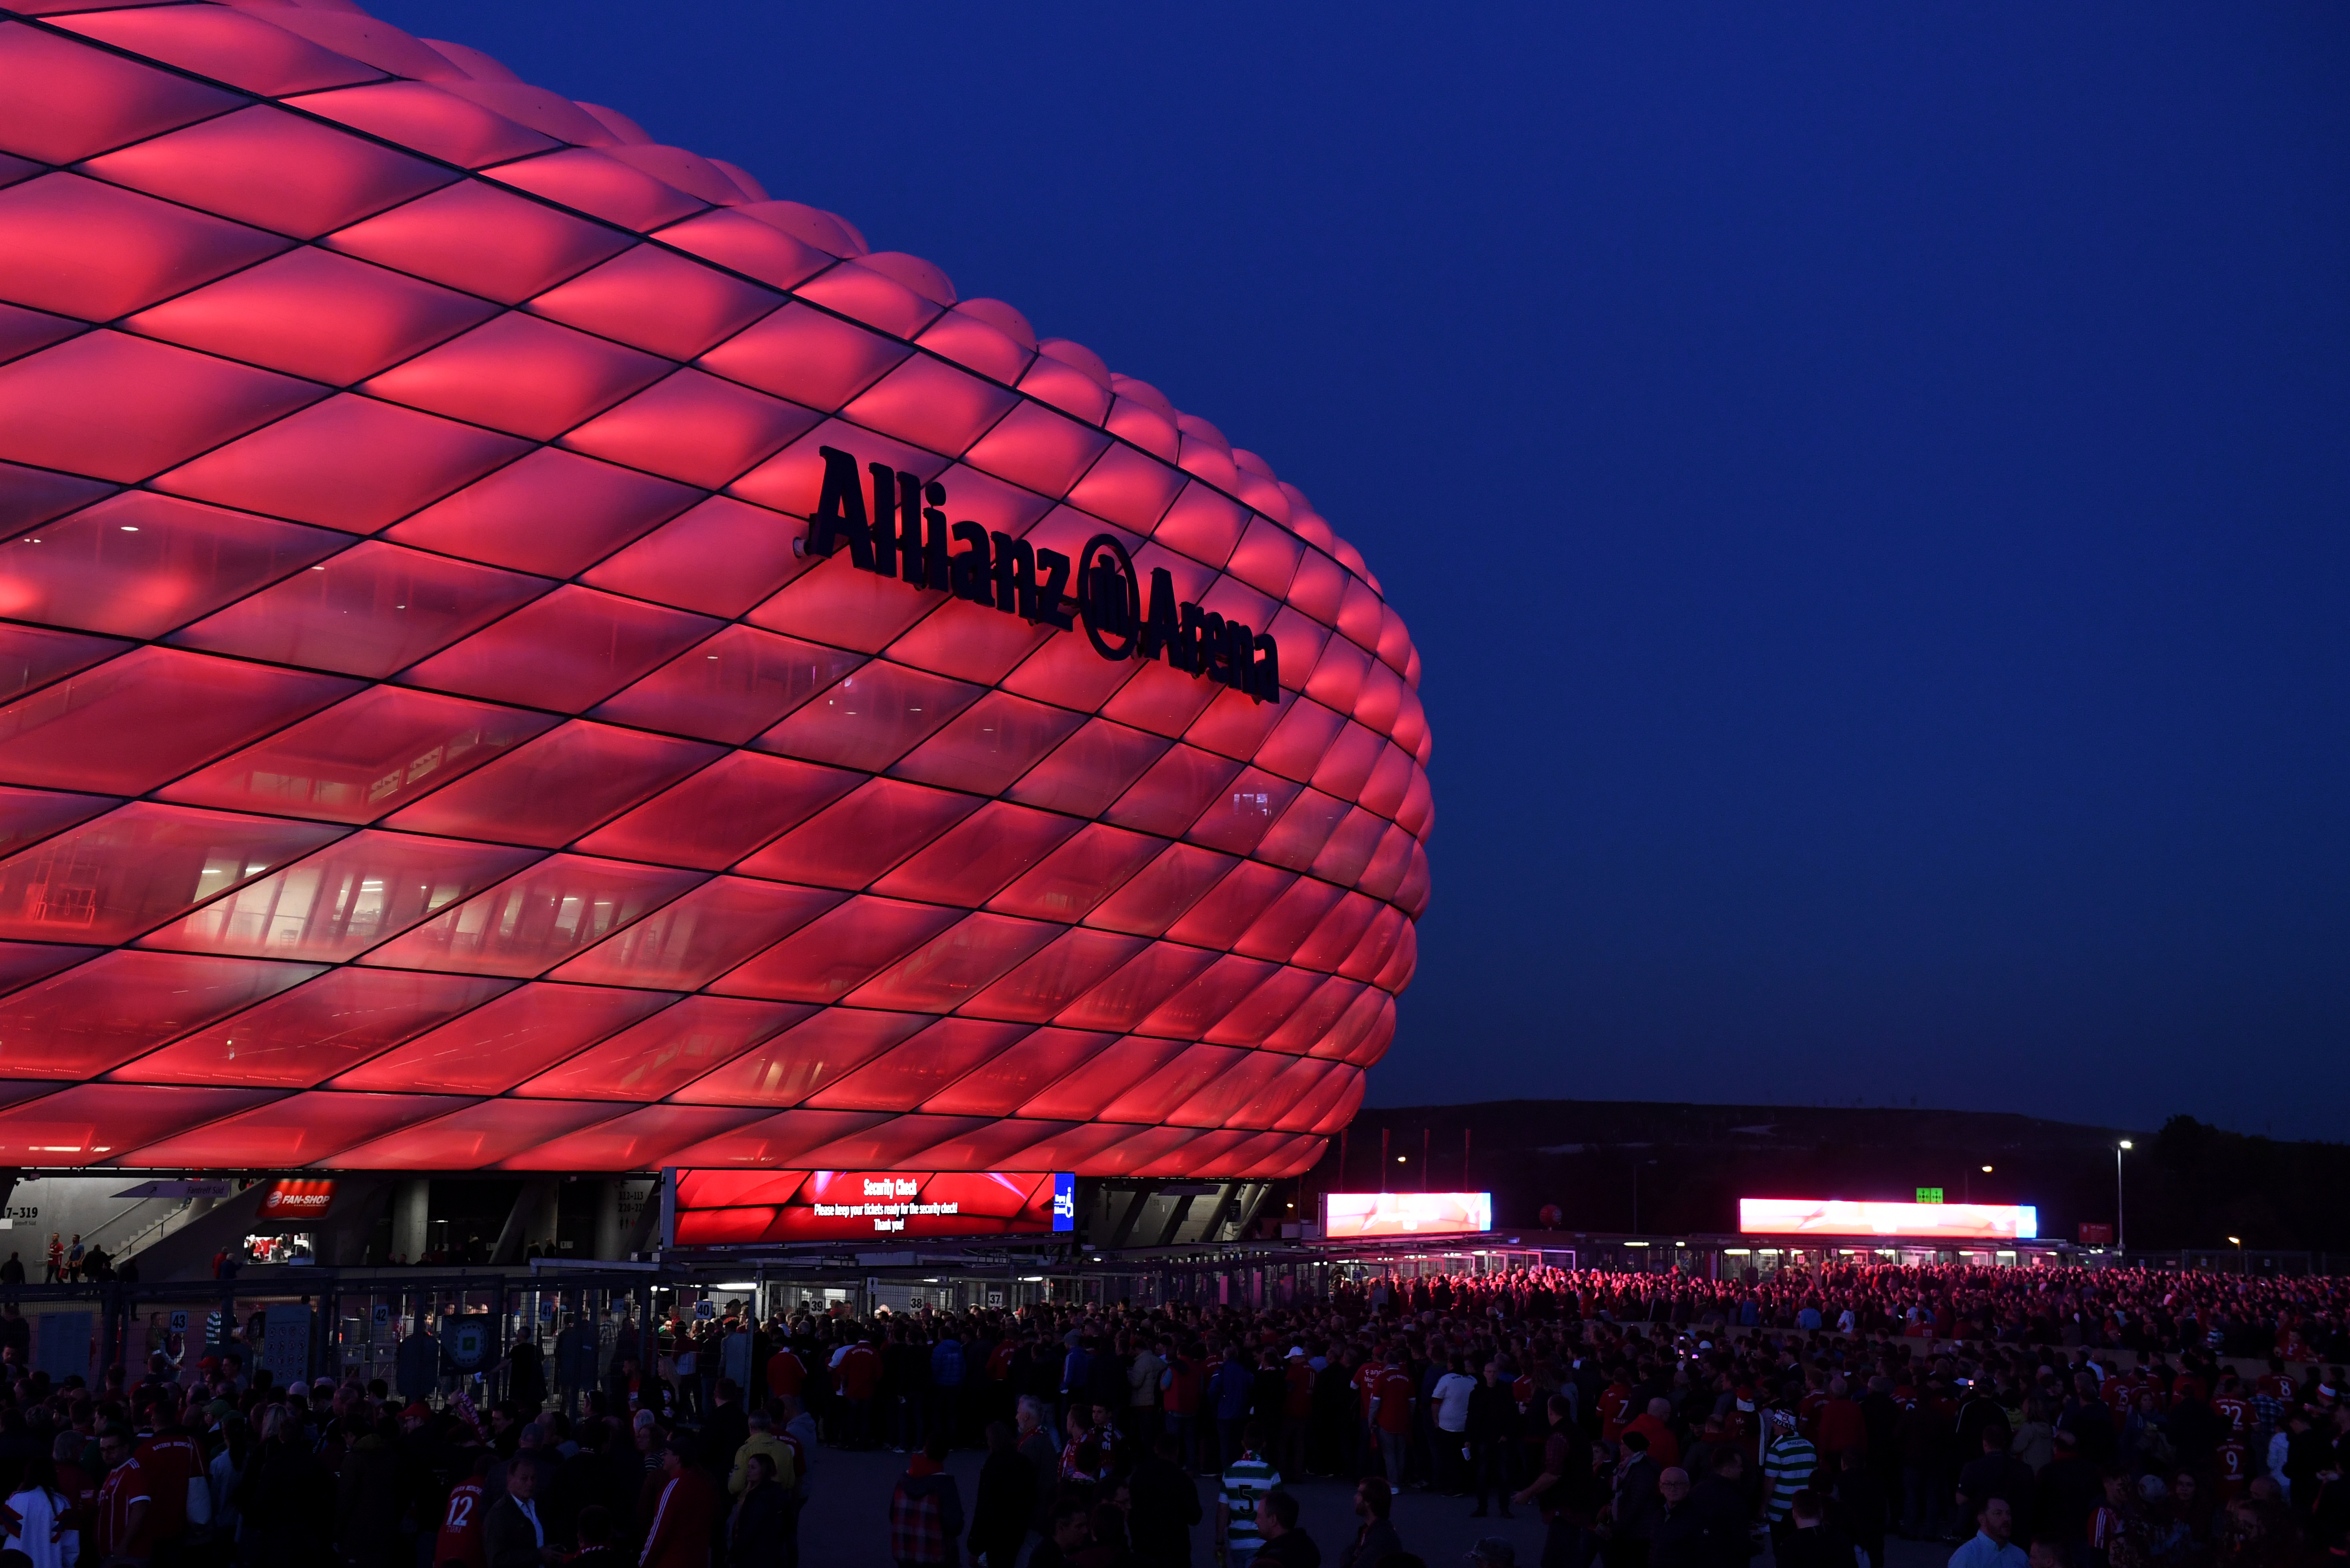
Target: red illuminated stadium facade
(437, 739)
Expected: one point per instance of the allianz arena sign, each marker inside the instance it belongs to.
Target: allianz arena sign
(1019, 578)
(519, 651)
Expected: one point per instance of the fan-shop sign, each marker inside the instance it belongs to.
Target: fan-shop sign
(298, 1200)
(905, 534)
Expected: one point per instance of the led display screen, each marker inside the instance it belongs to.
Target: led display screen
(1921, 1221)
(720, 1207)
(1348, 1215)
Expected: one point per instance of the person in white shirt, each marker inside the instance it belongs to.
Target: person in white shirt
(37, 1518)
(1991, 1547)
(1450, 1398)
(1142, 1383)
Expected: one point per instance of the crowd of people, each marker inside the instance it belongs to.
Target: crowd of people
(2302, 1317)
(1653, 1421)
(70, 1262)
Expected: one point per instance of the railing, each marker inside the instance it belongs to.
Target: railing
(329, 1305)
(187, 1214)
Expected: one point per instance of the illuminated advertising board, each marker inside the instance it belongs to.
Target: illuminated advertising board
(298, 1200)
(722, 1207)
(1919, 1221)
(1348, 1216)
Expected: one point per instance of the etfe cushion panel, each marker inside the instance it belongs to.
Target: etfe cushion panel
(433, 735)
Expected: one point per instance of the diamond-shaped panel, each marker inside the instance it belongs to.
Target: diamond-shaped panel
(582, 817)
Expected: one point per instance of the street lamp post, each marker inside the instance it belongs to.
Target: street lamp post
(1971, 1182)
(2241, 1267)
(2121, 1215)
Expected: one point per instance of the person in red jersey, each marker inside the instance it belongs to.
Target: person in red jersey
(1003, 1393)
(1615, 1405)
(1655, 1424)
(1808, 1408)
(460, 1539)
(1393, 1416)
(1738, 1425)
(1524, 1390)
(2234, 1459)
(678, 1531)
(1179, 1384)
(596, 1549)
(1084, 1457)
(124, 1504)
(1365, 1384)
(786, 1374)
(1528, 1396)
(169, 1460)
(2233, 1409)
(1840, 1424)
(860, 1379)
(1297, 1409)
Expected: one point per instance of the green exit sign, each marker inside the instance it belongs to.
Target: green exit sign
(1930, 1195)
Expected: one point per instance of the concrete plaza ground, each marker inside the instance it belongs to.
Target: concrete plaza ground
(847, 1523)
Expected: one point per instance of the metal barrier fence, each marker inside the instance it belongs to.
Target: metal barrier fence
(560, 1330)
(486, 1327)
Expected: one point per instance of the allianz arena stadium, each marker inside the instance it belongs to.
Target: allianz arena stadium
(524, 653)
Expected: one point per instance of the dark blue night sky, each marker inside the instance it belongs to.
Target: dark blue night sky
(1868, 483)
